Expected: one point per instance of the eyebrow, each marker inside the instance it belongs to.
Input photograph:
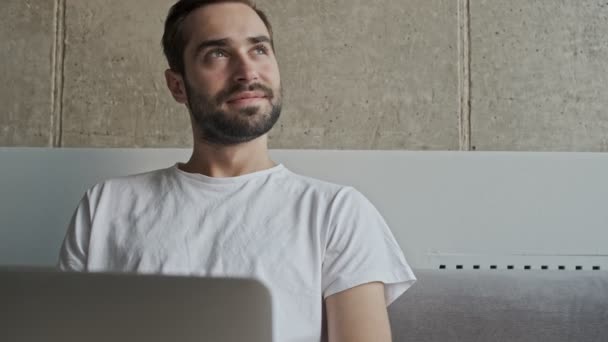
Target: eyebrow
(259, 39)
(226, 42)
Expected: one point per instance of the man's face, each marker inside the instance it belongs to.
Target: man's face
(231, 76)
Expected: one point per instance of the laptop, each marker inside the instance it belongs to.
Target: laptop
(47, 305)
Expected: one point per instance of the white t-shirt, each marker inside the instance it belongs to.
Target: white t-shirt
(305, 239)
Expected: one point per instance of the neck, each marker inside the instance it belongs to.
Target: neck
(229, 161)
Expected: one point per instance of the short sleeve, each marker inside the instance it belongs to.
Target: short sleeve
(74, 250)
(360, 249)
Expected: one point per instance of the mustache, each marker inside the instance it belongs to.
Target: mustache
(238, 88)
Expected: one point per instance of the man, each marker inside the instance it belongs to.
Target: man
(326, 254)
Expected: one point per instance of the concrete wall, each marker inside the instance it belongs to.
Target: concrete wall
(387, 74)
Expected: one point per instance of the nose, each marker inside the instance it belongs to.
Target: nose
(245, 71)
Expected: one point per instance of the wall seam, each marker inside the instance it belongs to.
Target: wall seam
(57, 74)
(53, 77)
(464, 74)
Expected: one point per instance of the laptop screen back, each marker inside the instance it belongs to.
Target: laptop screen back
(69, 307)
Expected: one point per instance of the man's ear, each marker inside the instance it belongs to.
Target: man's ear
(175, 83)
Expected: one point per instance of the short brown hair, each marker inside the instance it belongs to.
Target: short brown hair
(174, 39)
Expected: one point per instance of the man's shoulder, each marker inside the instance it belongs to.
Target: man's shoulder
(144, 181)
(320, 186)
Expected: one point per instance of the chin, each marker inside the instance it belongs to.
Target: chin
(253, 111)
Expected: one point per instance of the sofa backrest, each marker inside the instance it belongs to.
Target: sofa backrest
(503, 305)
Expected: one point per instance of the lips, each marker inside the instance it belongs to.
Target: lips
(247, 95)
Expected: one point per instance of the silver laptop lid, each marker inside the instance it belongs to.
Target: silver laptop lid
(45, 305)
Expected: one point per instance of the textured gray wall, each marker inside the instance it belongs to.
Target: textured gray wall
(539, 75)
(387, 74)
(26, 66)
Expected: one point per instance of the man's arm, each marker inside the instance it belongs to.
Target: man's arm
(358, 314)
(74, 250)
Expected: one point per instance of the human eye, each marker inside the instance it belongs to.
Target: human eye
(261, 49)
(217, 53)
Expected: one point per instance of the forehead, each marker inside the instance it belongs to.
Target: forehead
(223, 20)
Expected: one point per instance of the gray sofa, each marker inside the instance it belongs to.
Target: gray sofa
(503, 305)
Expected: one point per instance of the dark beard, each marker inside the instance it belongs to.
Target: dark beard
(221, 128)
